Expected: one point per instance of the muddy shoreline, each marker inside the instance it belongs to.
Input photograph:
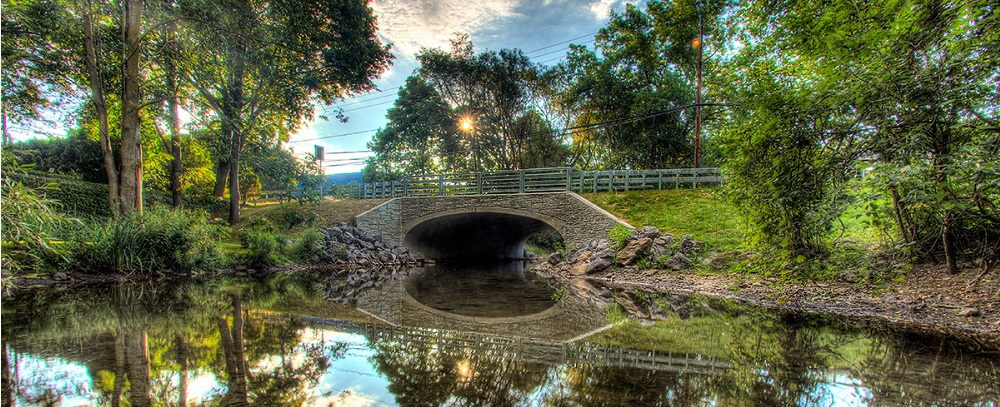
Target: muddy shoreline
(927, 302)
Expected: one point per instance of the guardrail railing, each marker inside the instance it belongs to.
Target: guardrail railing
(537, 180)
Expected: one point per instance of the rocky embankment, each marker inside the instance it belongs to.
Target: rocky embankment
(647, 248)
(350, 245)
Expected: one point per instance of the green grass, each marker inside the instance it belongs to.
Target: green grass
(702, 213)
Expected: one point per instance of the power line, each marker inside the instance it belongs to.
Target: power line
(560, 43)
(334, 136)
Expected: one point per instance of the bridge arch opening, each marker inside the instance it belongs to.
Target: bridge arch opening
(475, 236)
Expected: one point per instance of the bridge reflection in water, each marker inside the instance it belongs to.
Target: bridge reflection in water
(524, 349)
(500, 298)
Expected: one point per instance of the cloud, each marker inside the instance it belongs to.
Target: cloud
(412, 24)
(602, 8)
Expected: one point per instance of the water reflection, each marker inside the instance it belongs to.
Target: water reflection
(232, 342)
(491, 290)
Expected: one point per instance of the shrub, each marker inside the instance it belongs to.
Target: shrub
(158, 239)
(261, 247)
(28, 225)
(309, 243)
(76, 197)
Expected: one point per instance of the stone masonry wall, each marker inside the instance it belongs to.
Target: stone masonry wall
(576, 219)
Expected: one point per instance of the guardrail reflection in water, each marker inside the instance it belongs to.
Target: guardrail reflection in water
(537, 180)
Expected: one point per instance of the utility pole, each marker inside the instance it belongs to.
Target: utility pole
(698, 43)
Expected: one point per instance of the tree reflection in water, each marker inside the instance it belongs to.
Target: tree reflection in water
(216, 344)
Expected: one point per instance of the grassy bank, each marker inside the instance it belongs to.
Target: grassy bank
(702, 213)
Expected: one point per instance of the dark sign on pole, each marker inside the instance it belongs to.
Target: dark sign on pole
(320, 152)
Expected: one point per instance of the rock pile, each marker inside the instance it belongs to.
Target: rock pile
(659, 250)
(348, 244)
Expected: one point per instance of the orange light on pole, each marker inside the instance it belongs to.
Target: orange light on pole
(696, 43)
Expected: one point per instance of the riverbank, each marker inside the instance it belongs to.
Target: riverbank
(928, 301)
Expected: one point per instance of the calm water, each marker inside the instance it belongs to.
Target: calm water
(458, 336)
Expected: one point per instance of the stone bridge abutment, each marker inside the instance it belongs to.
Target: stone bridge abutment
(485, 226)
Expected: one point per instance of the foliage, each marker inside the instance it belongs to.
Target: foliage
(465, 112)
(262, 246)
(80, 198)
(260, 66)
(74, 156)
(619, 236)
(642, 63)
(28, 223)
(308, 244)
(895, 89)
(158, 239)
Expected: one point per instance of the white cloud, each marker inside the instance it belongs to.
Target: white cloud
(412, 24)
(602, 8)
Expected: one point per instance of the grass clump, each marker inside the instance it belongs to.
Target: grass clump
(155, 240)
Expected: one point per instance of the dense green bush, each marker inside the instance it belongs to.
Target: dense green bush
(76, 197)
(28, 227)
(261, 245)
(156, 240)
(308, 244)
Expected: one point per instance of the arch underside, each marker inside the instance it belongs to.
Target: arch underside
(474, 236)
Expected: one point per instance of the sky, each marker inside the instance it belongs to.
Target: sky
(544, 29)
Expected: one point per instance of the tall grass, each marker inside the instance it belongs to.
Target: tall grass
(158, 239)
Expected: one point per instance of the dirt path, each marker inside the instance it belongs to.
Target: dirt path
(928, 301)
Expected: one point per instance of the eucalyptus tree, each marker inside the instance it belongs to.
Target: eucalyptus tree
(251, 61)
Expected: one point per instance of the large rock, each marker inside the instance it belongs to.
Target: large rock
(598, 265)
(635, 250)
(651, 232)
(678, 262)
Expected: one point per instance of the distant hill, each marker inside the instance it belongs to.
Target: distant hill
(343, 179)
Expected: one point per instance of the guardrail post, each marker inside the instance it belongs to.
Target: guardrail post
(479, 183)
(569, 179)
(627, 181)
(521, 174)
(406, 186)
(393, 189)
(659, 179)
(440, 184)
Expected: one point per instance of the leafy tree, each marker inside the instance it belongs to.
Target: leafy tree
(264, 59)
(643, 63)
(903, 88)
(421, 138)
(34, 60)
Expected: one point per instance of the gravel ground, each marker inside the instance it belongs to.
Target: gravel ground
(928, 301)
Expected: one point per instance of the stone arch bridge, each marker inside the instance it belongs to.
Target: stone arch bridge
(485, 226)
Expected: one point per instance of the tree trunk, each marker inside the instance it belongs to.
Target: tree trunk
(234, 188)
(137, 362)
(8, 379)
(116, 397)
(90, 41)
(131, 172)
(221, 178)
(182, 370)
(176, 166)
(948, 238)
